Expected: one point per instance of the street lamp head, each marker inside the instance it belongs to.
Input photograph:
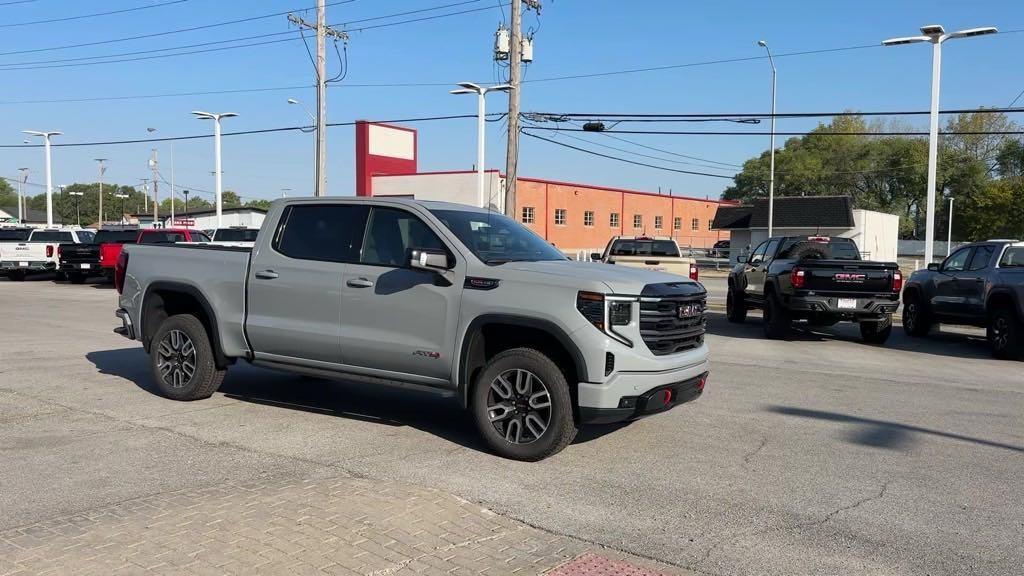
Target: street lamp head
(463, 91)
(203, 115)
(150, 130)
(974, 32)
(501, 88)
(227, 115)
(293, 101)
(906, 40)
(470, 86)
(933, 30)
(762, 43)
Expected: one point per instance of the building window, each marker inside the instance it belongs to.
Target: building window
(695, 224)
(711, 223)
(638, 221)
(527, 214)
(677, 223)
(588, 218)
(560, 216)
(613, 220)
(657, 222)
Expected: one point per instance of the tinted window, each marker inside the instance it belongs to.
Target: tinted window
(982, 256)
(118, 236)
(52, 236)
(235, 235)
(1013, 257)
(758, 254)
(665, 248)
(86, 237)
(329, 233)
(200, 237)
(162, 237)
(494, 238)
(13, 235)
(844, 251)
(958, 261)
(392, 233)
(769, 251)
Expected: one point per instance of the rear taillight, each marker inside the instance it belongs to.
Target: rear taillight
(797, 278)
(119, 271)
(49, 251)
(694, 272)
(897, 281)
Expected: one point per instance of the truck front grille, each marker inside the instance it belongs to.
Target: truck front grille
(673, 324)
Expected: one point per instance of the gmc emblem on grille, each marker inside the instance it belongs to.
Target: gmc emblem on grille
(848, 278)
(688, 311)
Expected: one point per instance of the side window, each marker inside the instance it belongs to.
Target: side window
(1013, 257)
(390, 235)
(958, 261)
(328, 233)
(757, 256)
(772, 246)
(982, 256)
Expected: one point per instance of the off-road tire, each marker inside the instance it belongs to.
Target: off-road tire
(809, 251)
(876, 332)
(778, 324)
(561, 428)
(735, 306)
(917, 320)
(1005, 334)
(205, 379)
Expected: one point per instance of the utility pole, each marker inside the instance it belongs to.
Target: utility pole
(154, 167)
(514, 79)
(322, 32)
(102, 170)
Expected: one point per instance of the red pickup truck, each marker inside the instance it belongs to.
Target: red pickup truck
(82, 261)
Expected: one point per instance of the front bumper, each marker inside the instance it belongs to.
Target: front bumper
(127, 329)
(659, 399)
(870, 307)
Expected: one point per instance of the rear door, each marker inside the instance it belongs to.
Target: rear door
(947, 298)
(397, 319)
(295, 283)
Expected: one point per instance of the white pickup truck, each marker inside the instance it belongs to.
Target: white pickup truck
(242, 236)
(40, 252)
(660, 254)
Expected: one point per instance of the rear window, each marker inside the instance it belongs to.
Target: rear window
(118, 236)
(235, 235)
(1013, 257)
(86, 237)
(666, 248)
(162, 237)
(51, 236)
(13, 235)
(839, 248)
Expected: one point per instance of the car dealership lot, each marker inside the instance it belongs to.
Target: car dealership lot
(820, 455)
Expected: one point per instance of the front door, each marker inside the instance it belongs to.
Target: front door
(398, 320)
(948, 299)
(755, 268)
(295, 284)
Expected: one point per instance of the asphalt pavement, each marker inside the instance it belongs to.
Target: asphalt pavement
(820, 455)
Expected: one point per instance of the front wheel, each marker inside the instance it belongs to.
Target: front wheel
(876, 332)
(735, 306)
(1005, 334)
(522, 406)
(181, 359)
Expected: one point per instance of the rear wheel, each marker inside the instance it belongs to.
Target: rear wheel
(181, 359)
(876, 332)
(735, 306)
(916, 319)
(522, 406)
(1005, 334)
(778, 324)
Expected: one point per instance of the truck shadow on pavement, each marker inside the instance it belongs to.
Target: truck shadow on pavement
(937, 344)
(377, 404)
(882, 433)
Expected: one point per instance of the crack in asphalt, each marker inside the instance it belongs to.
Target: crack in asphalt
(750, 455)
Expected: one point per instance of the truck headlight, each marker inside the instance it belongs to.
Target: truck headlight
(620, 313)
(606, 312)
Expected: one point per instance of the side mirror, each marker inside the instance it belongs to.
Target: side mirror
(433, 260)
(934, 267)
(595, 256)
(742, 259)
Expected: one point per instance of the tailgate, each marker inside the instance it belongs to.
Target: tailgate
(846, 276)
(75, 253)
(671, 265)
(27, 251)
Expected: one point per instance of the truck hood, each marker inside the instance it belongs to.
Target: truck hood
(618, 279)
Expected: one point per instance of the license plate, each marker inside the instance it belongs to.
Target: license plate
(85, 266)
(23, 264)
(847, 303)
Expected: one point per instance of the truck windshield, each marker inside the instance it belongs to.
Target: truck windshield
(118, 236)
(664, 248)
(235, 235)
(495, 238)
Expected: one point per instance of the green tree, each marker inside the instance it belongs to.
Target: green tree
(230, 199)
(261, 204)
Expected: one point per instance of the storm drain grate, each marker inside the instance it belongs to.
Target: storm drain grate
(591, 564)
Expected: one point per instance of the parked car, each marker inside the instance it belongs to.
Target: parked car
(433, 296)
(819, 279)
(170, 236)
(12, 234)
(658, 254)
(235, 236)
(720, 249)
(97, 258)
(39, 253)
(981, 284)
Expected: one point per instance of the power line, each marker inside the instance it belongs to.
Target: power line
(93, 15)
(1015, 99)
(613, 137)
(625, 117)
(733, 133)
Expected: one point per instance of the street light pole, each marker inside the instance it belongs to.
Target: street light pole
(78, 211)
(771, 175)
(102, 170)
(21, 194)
(123, 197)
(936, 35)
(49, 172)
(216, 153)
(481, 131)
(949, 238)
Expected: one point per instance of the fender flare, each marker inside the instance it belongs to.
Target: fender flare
(213, 329)
(475, 327)
(1004, 292)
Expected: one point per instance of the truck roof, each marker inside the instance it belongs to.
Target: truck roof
(428, 204)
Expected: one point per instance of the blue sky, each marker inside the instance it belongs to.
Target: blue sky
(572, 37)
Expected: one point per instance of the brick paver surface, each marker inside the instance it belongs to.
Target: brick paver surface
(337, 526)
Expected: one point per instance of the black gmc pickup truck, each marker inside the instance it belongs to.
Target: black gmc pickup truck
(818, 279)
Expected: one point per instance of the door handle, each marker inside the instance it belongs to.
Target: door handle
(266, 274)
(360, 283)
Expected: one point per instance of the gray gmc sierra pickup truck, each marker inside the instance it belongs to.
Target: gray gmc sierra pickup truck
(443, 297)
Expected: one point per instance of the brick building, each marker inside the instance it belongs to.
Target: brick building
(571, 216)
